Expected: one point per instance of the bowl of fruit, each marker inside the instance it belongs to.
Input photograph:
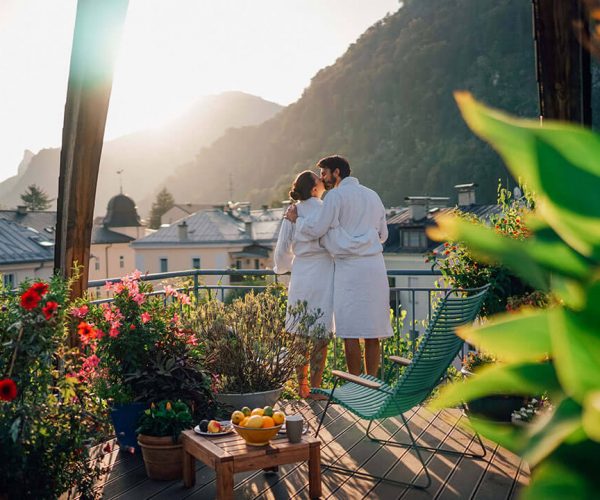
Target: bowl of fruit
(257, 427)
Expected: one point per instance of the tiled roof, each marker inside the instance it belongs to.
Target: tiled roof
(41, 220)
(218, 226)
(101, 235)
(19, 244)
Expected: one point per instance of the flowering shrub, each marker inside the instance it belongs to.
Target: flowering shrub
(246, 343)
(462, 269)
(138, 347)
(48, 419)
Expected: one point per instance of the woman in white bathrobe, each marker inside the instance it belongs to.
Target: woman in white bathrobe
(311, 267)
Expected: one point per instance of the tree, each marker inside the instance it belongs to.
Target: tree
(35, 198)
(164, 202)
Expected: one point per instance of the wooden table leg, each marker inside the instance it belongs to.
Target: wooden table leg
(189, 470)
(224, 472)
(314, 470)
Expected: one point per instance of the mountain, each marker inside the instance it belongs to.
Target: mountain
(387, 105)
(147, 157)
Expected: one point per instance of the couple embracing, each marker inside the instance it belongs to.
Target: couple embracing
(334, 251)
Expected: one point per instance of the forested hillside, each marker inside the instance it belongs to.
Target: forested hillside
(387, 105)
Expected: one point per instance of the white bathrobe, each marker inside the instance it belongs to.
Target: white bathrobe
(352, 227)
(311, 266)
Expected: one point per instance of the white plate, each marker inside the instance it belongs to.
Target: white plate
(224, 423)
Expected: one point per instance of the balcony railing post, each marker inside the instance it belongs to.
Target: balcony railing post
(196, 288)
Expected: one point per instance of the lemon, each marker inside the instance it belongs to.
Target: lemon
(246, 411)
(268, 411)
(278, 417)
(257, 411)
(236, 417)
(244, 422)
(254, 422)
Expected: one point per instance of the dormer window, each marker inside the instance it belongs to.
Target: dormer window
(414, 238)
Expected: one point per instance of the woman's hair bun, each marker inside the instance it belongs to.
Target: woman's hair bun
(294, 195)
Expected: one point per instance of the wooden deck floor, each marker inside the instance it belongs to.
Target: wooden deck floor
(499, 475)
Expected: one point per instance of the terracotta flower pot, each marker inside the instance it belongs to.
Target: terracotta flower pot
(162, 458)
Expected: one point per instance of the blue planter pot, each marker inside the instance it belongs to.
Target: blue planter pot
(125, 420)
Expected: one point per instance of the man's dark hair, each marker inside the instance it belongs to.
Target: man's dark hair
(333, 162)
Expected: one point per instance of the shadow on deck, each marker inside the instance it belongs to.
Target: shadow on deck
(499, 475)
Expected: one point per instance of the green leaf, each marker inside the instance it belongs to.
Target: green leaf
(507, 435)
(576, 352)
(548, 435)
(529, 330)
(591, 416)
(553, 480)
(490, 246)
(518, 379)
(545, 158)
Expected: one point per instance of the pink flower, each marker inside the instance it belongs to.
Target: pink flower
(136, 275)
(139, 298)
(170, 291)
(145, 317)
(109, 285)
(79, 312)
(175, 318)
(185, 299)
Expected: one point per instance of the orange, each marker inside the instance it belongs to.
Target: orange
(278, 417)
(268, 422)
(244, 422)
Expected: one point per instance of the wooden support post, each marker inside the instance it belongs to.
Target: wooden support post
(563, 65)
(96, 37)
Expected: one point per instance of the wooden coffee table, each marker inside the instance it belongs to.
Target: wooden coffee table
(230, 454)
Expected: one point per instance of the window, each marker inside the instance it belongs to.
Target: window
(414, 239)
(238, 264)
(164, 265)
(196, 263)
(121, 262)
(97, 265)
(9, 281)
(256, 264)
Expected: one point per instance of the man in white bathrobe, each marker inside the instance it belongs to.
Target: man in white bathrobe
(352, 227)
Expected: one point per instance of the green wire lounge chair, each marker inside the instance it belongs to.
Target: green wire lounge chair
(372, 399)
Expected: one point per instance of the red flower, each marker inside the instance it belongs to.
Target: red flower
(87, 332)
(8, 389)
(40, 288)
(50, 308)
(30, 299)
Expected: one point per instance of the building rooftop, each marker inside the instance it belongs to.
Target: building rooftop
(121, 212)
(42, 221)
(20, 244)
(103, 235)
(220, 226)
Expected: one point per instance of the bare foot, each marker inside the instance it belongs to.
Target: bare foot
(304, 390)
(317, 397)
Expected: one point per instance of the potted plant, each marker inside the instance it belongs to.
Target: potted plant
(139, 351)
(497, 407)
(158, 436)
(49, 419)
(248, 348)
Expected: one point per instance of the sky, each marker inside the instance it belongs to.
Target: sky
(172, 53)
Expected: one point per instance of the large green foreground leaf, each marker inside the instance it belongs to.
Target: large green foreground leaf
(529, 330)
(518, 379)
(576, 352)
(553, 480)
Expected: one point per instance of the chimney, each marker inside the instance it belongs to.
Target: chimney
(466, 194)
(183, 231)
(417, 207)
(21, 210)
(438, 202)
(248, 228)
